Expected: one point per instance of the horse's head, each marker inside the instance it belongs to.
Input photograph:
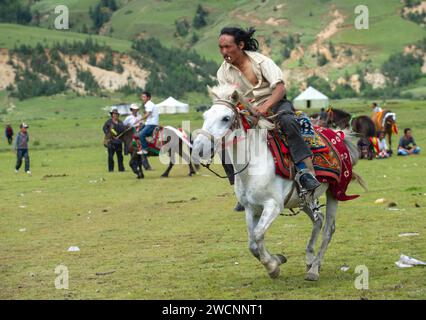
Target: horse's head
(390, 122)
(329, 120)
(337, 118)
(127, 137)
(221, 119)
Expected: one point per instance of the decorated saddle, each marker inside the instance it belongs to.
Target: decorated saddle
(331, 158)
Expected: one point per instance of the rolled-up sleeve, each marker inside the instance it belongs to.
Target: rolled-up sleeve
(272, 73)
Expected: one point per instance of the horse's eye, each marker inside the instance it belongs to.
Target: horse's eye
(226, 119)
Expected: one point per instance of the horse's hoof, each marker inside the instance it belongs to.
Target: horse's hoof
(274, 274)
(239, 207)
(281, 258)
(164, 176)
(312, 276)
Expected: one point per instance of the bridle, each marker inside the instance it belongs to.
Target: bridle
(236, 124)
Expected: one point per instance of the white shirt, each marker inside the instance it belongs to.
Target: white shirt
(268, 75)
(131, 120)
(153, 119)
(377, 109)
(383, 145)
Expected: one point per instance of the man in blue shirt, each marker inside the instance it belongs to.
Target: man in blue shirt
(407, 144)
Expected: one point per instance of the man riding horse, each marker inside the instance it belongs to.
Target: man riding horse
(260, 80)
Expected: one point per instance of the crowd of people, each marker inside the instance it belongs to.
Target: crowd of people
(406, 146)
(143, 126)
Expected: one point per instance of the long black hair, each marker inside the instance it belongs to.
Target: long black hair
(250, 43)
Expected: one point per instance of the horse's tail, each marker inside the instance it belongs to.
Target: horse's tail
(352, 148)
(356, 177)
(354, 155)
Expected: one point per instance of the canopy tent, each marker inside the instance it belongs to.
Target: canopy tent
(171, 105)
(311, 98)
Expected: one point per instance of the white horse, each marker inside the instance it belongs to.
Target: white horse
(264, 195)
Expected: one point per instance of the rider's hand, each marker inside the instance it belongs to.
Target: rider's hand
(262, 110)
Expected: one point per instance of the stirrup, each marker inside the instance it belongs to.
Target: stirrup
(306, 173)
(305, 195)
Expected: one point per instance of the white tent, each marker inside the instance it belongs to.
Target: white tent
(123, 109)
(311, 98)
(171, 105)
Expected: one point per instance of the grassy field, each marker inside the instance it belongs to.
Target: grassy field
(178, 238)
(13, 34)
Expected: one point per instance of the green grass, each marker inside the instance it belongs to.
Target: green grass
(13, 34)
(388, 32)
(178, 238)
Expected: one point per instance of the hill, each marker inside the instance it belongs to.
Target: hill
(307, 38)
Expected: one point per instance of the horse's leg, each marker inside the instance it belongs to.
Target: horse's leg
(140, 174)
(145, 163)
(317, 219)
(272, 263)
(390, 141)
(329, 228)
(171, 164)
(252, 220)
(133, 164)
(191, 169)
(166, 173)
(186, 158)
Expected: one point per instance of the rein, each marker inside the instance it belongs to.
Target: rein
(236, 124)
(207, 166)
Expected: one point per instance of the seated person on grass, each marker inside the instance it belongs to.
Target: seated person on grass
(407, 144)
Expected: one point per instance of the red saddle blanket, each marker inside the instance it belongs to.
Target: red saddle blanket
(332, 165)
(154, 141)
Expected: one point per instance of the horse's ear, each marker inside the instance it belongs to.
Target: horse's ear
(234, 96)
(211, 92)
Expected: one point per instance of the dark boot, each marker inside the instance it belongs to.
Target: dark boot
(308, 180)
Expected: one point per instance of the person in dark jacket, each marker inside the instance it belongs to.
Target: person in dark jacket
(21, 148)
(8, 132)
(113, 128)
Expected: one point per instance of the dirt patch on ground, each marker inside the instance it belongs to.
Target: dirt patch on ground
(376, 79)
(276, 22)
(246, 17)
(6, 70)
(332, 28)
(419, 9)
(264, 48)
(109, 80)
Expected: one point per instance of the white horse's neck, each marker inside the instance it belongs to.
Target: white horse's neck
(250, 154)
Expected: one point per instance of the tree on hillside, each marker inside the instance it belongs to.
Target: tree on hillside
(102, 13)
(402, 69)
(182, 27)
(199, 20)
(108, 61)
(14, 12)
